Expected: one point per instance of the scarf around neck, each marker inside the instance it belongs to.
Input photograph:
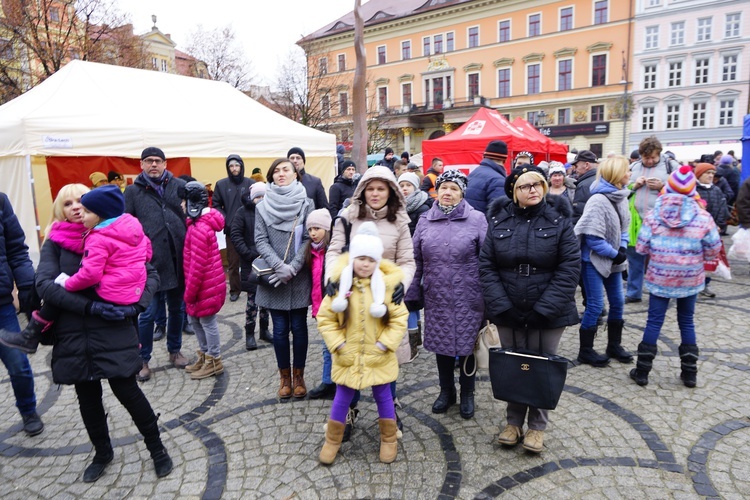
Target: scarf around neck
(282, 204)
(447, 209)
(415, 200)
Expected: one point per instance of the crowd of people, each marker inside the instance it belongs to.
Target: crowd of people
(390, 261)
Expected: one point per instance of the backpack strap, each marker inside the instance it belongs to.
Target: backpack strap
(347, 230)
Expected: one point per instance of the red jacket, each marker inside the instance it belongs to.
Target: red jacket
(205, 284)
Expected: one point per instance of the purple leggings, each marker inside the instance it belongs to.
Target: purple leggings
(344, 395)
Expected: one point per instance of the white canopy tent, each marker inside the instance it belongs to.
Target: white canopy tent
(90, 109)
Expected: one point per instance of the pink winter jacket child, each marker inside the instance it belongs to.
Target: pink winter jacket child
(114, 261)
(205, 284)
(317, 265)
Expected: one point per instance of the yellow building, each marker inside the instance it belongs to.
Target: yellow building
(562, 65)
(163, 56)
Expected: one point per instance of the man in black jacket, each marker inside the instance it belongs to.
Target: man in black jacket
(585, 164)
(227, 199)
(155, 199)
(17, 269)
(313, 185)
(342, 187)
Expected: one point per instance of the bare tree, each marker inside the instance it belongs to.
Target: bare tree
(223, 54)
(359, 93)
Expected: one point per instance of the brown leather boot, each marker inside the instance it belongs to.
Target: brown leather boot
(298, 382)
(198, 362)
(388, 441)
(285, 387)
(334, 434)
(212, 366)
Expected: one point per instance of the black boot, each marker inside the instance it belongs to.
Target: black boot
(466, 382)
(150, 430)
(419, 332)
(250, 344)
(323, 391)
(27, 340)
(263, 333)
(689, 364)
(447, 397)
(445, 400)
(587, 355)
(646, 355)
(99, 435)
(614, 341)
(351, 417)
(413, 345)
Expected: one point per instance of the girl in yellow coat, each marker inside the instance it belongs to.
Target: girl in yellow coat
(362, 328)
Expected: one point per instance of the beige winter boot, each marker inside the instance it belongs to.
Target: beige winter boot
(334, 435)
(388, 441)
(198, 362)
(211, 366)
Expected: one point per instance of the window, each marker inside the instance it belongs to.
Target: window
(164, 65)
(599, 70)
(566, 19)
(426, 46)
(654, 3)
(601, 12)
(652, 37)
(563, 116)
(647, 118)
(474, 36)
(565, 74)
(381, 54)
(503, 34)
(732, 25)
(699, 114)
(437, 44)
(382, 98)
(649, 77)
(533, 118)
(675, 74)
(673, 116)
(54, 14)
(406, 94)
(532, 79)
(325, 106)
(701, 71)
(343, 104)
(322, 66)
(342, 62)
(597, 113)
(449, 44)
(473, 85)
(406, 50)
(503, 82)
(726, 112)
(677, 36)
(729, 68)
(535, 24)
(155, 63)
(704, 30)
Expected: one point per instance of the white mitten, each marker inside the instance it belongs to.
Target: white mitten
(61, 279)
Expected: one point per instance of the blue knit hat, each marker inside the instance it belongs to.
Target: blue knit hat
(107, 201)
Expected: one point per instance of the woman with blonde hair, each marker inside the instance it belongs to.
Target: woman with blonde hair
(603, 234)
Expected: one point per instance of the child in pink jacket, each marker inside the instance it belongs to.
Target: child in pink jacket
(205, 284)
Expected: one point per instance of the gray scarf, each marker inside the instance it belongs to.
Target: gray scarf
(415, 200)
(447, 209)
(282, 204)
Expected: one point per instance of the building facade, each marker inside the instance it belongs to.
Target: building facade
(562, 65)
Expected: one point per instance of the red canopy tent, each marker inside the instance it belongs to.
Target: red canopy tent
(555, 150)
(463, 148)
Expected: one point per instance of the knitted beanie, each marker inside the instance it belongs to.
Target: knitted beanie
(496, 150)
(296, 150)
(682, 181)
(320, 218)
(702, 168)
(257, 189)
(726, 160)
(409, 177)
(452, 175)
(107, 201)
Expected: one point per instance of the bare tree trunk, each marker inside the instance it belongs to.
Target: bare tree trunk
(359, 98)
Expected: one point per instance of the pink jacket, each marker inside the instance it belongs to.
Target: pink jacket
(317, 263)
(205, 284)
(114, 261)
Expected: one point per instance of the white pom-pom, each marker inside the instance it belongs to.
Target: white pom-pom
(339, 304)
(377, 310)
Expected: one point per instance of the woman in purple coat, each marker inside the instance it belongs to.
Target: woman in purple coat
(447, 241)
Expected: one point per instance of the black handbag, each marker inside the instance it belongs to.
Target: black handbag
(261, 271)
(527, 377)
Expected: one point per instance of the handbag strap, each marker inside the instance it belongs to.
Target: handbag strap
(291, 237)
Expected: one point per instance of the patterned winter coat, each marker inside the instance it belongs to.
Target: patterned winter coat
(205, 284)
(114, 258)
(360, 363)
(446, 251)
(678, 236)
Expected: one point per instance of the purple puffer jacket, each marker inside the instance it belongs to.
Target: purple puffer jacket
(446, 251)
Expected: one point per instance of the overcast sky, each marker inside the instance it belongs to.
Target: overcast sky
(267, 30)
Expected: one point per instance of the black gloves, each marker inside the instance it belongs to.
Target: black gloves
(111, 312)
(621, 256)
(398, 294)
(332, 288)
(26, 302)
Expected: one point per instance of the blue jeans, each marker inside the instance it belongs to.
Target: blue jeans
(284, 321)
(413, 322)
(596, 285)
(327, 365)
(657, 308)
(174, 323)
(636, 269)
(17, 364)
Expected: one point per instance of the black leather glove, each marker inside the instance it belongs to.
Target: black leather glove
(332, 288)
(26, 300)
(536, 320)
(512, 317)
(398, 294)
(621, 257)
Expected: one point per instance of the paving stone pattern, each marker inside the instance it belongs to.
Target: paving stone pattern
(230, 437)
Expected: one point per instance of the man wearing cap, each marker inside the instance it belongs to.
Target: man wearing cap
(487, 181)
(342, 187)
(227, 199)
(388, 159)
(313, 185)
(154, 199)
(98, 179)
(585, 164)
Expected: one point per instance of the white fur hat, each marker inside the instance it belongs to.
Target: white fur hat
(366, 243)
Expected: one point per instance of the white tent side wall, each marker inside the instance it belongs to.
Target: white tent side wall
(15, 182)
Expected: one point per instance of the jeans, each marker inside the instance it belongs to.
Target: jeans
(413, 322)
(174, 324)
(596, 285)
(207, 334)
(327, 365)
(344, 397)
(284, 321)
(657, 309)
(17, 364)
(636, 269)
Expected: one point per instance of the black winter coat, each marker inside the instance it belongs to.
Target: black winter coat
(87, 347)
(340, 190)
(228, 193)
(542, 238)
(716, 204)
(583, 193)
(314, 187)
(242, 234)
(416, 214)
(15, 264)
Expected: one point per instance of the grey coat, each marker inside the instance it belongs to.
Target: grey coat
(606, 216)
(163, 221)
(271, 244)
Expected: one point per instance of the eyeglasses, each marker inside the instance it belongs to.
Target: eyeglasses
(157, 161)
(526, 188)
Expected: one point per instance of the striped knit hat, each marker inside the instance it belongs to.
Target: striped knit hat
(682, 181)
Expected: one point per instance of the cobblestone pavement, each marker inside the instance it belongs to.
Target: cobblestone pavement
(230, 437)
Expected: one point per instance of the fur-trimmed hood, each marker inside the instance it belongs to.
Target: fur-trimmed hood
(379, 173)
